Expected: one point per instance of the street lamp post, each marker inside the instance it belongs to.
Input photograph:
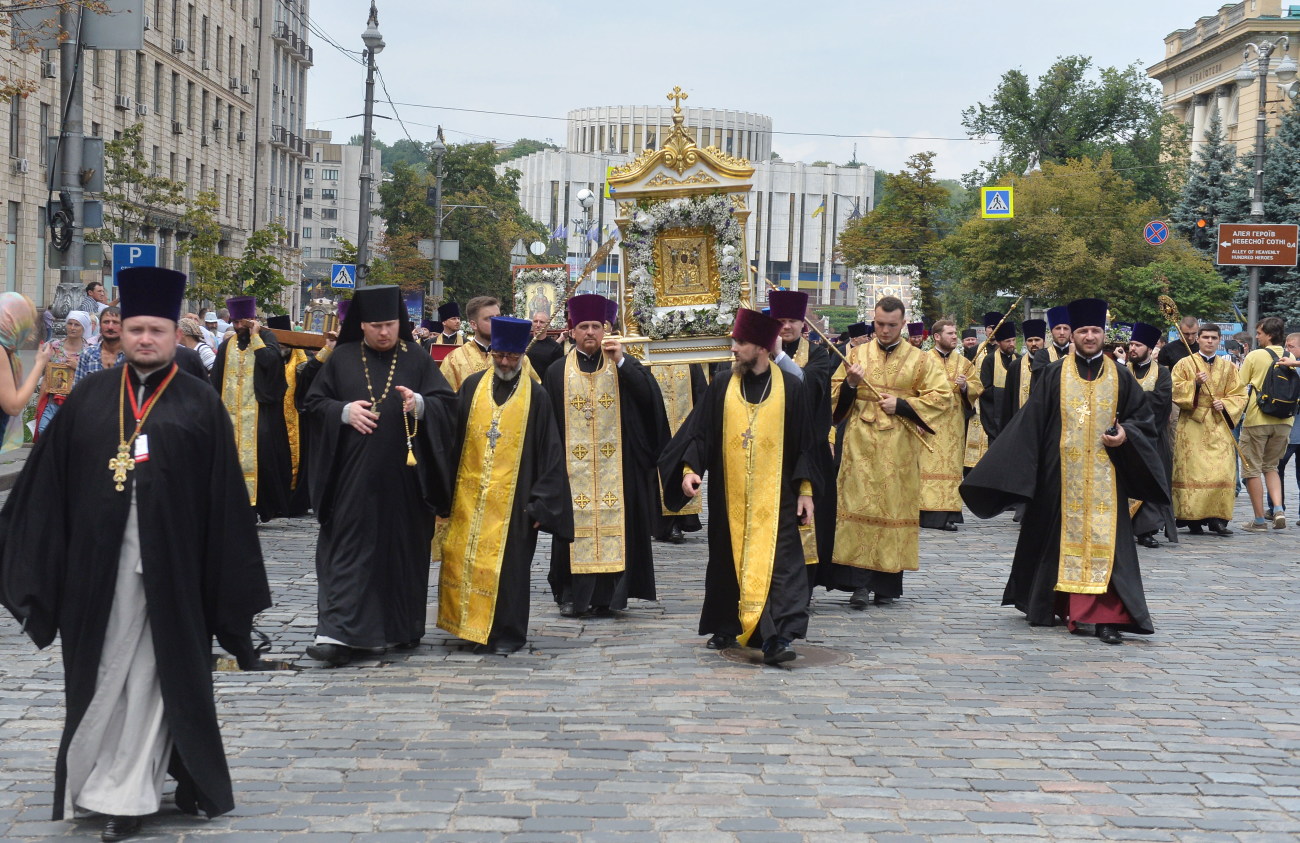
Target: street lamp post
(1286, 73)
(587, 200)
(374, 44)
(439, 148)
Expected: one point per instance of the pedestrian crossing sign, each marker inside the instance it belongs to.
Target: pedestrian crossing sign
(343, 276)
(997, 203)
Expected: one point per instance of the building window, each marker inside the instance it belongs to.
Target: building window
(43, 140)
(306, 193)
(329, 175)
(306, 233)
(308, 173)
(306, 252)
(327, 253)
(329, 193)
(15, 126)
(329, 213)
(328, 233)
(11, 247)
(306, 213)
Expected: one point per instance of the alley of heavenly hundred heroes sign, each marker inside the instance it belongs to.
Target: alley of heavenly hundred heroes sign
(1257, 245)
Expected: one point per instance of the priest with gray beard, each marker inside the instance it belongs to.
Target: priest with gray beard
(162, 555)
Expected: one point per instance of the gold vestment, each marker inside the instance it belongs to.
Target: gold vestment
(1205, 460)
(675, 383)
(1089, 490)
(941, 470)
(241, 402)
(593, 433)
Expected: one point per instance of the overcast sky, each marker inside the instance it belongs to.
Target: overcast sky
(902, 69)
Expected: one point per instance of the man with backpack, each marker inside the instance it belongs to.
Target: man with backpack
(1270, 408)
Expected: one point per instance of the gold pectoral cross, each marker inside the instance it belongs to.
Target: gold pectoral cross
(120, 465)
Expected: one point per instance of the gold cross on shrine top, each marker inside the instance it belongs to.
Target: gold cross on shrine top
(677, 95)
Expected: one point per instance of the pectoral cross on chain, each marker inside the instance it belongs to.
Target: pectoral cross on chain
(120, 465)
(493, 434)
(747, 436)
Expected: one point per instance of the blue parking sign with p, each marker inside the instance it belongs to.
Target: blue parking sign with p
(130, 255)
(997, 203)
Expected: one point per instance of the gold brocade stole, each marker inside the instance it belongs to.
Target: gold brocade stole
(675, 384)
(1025, 379)
(801, 353)
(470, 574)
(467, 359)
(593, 431)
(999, 370)
(1088, 485)
(241, 402)
(296, 357)
(749, 450)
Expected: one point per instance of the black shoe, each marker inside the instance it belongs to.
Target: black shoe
(722, 642)
(949, 527)
(567, 610)
(1148, 541)
(777, 651)
(601, 612)
(1109, 633)
(859, 598)
(120, 828)
(1220, 528)
(409, 645)
(1195, 530)
(883, 601)
(187, 798)
(676, 536)
(335, 655)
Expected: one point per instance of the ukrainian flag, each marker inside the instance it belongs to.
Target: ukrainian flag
(820, 209)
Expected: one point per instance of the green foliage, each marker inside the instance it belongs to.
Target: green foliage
(838, 317)
(1211, 191)
(1068, 114)
(408, 152)
(904, 227)
(1279, 288)
(1194, 284)
(132, 193)
(522, 147)
(209, 276)
(259, 272)
(486, 234)
(1078, 227)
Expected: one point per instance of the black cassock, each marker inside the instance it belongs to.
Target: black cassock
(62, 529)
(817, 397)
(1024, 465)
(376, 513)
(685, 523)
(699, 445)
(541, 497)
(274, 465)
(992, 407)
(1154, 516)
(641, 408)
(543, 353)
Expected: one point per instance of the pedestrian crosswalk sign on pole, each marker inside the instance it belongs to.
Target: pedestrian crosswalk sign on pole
(997, 203)
(343, 276)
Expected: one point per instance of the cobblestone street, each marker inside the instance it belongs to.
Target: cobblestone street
(942, 717)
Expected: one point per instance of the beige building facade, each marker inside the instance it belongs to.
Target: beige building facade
(1199, 71)
(219, 90)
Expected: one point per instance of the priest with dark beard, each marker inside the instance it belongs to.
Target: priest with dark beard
(1158, 384)
(750, 433)
(510, 482)
(129, 536)
(381, 416)
(1085, 437)
(249, 374)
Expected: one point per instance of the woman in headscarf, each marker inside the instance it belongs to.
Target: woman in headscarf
(17, 321)
(192, 336)
(60, 369)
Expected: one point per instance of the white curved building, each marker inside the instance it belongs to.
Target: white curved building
(623, 129)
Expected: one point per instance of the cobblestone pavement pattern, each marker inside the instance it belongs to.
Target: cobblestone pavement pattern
(952, 720)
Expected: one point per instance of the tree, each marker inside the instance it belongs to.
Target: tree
(405, 151)
(209, 276)
(13, 81)
(258, 272)
(904, 227)
(1078, 227)
(1210, 191)
(1195, 285)
(132, 192)
(522, 147)
(1069, 115)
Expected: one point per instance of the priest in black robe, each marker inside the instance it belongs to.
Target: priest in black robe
(1000, 358)
(1020, 376)
(670, 526)
(611, 559)
(1025, 466)
(763, 595)
(135, 566)
(1158, 384)
(817, 363)
(249, 375)
(510, 483)
(1058, 325)
(543, 351)
(381, 416)
(449, 319)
